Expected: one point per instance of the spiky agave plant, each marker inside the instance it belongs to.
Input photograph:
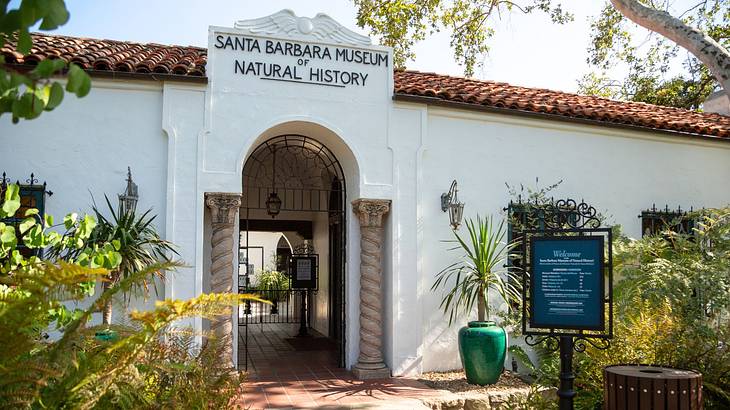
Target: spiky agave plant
(469, 280)
(140, 246)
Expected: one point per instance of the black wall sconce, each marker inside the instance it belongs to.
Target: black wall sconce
(450, 203)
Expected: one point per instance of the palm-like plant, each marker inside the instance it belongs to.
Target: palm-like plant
(469, 280)
(140, 246)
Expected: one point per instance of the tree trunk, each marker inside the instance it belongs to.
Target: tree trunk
(481, 305)
(106, 314)
(707, 50)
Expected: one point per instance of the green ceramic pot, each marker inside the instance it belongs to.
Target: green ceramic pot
(482, 347)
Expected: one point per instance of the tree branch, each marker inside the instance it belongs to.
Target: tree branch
(706, 49)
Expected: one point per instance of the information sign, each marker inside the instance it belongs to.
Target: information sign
(567, 283)
(303, 271)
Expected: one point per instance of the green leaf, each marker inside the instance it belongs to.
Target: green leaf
(86, 225)
(28, 106)
(79, 82)
(53, 238)
(26, 224)
(34, 238)
(7, 236)
(24, 42)
(12, 201)
(56, 15)
(70, 220)
(55, 97)
(31, 212)
(114, 259)
(47, 68)
(16, 257)
(49, 220)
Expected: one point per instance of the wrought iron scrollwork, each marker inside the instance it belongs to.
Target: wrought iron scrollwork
(568, 213)
(552, 342)
(582, 342)
(31, 182)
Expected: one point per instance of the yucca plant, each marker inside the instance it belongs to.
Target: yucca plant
(140, 246)
(469, 280)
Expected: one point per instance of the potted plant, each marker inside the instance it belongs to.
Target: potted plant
(482, 344)
(273, 285)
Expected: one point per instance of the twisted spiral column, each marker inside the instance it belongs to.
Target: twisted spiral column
(370, 364)
(223, 210)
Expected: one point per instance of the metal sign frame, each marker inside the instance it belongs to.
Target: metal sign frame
(535, 335)
(297, 284)
(530, 327)
(563, 219)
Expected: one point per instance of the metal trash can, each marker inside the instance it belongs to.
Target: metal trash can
(651, 387)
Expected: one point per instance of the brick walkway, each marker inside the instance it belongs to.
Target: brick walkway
(283, 376)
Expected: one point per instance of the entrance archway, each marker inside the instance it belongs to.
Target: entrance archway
(294, 190)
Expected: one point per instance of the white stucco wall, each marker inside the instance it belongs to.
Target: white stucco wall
(82, 150)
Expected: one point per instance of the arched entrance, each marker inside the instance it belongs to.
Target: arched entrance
(292, 211)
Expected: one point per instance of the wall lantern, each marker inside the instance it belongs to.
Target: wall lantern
(273, 203)
(450, 202)
(128, 200)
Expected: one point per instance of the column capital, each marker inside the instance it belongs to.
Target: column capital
(370, 211)
(223, 206)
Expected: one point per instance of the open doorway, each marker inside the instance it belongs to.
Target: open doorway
(292, 253)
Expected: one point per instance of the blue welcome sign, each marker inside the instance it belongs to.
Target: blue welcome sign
(567, 283)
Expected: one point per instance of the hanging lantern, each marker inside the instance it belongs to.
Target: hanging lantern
(128, 200)
(273, 204)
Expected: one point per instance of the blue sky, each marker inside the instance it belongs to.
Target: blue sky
(527, 50)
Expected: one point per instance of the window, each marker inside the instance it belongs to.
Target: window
(654, 221)
(32, 195)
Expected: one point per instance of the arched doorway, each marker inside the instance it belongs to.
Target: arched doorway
(293, 208)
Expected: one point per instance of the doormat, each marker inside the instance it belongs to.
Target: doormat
(311, 343)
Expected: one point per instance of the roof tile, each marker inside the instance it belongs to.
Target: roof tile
(501, 95)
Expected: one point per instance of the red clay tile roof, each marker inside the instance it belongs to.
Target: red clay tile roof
(112, 55)
(125, 57)
(534, 100)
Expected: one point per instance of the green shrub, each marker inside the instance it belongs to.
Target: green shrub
(143, 365)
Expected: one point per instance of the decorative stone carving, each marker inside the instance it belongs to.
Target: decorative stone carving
(223, 206)
(224, 210)
(320, 28)
(370, 364)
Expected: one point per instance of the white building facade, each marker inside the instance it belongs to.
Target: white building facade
(398, 140)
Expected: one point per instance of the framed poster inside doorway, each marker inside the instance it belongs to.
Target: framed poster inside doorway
(304, 269)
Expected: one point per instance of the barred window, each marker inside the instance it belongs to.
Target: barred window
(655, 221)
(32, 196)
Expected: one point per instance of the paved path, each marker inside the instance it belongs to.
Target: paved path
(337, 391)
(284, 376)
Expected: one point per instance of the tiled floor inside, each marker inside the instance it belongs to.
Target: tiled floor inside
(288, 373)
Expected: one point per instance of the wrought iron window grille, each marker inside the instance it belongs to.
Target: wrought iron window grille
(655, 220)
(32, 195)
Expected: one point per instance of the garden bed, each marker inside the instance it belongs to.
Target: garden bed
(471, 396)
